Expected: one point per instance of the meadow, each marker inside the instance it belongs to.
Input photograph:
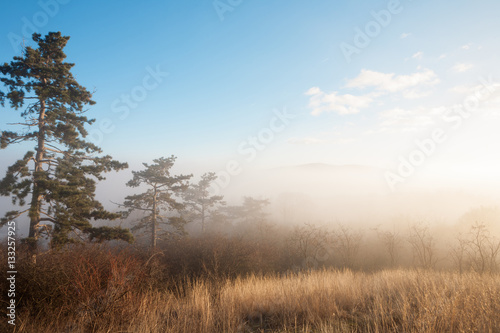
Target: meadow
(102, 288)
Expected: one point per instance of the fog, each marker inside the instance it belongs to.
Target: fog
(352, 194)
(323, 194)
(327, 195)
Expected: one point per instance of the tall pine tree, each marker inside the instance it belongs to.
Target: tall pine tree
(161, 195)
(56, 182)
(199, 203)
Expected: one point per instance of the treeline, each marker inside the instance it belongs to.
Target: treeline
(261, 247)
(94, 278)
(232, 240)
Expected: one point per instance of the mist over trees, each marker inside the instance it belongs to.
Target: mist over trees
(161, 194)
(200, 205)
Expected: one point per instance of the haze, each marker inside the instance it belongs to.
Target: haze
(353, 112)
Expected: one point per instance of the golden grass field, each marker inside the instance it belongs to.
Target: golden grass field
(316, 301)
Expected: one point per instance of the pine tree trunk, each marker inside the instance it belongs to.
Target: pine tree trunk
(36, 198)
(153, 232)
(203, 219)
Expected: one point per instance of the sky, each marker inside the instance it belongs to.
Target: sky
(408, 87)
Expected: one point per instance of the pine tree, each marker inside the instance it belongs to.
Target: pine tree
(56, 182)
(198, 200)
(250, 217)
(162, 194)
(252, 211)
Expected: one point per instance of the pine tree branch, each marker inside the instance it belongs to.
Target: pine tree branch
(23, 124)
(49, 160)
(19, 214)
(55, 150)
(46, 213)
(48, 219)
(133, 207)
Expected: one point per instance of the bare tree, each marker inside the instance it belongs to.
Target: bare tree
(482, 248)
(458, 253)
(423, 246)
(311, 243)
(392, 244)
(347, 243)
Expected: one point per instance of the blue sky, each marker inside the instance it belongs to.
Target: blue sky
(233, 64)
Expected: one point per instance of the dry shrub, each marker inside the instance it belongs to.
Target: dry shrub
(321, 301)
(102, 289)
(89, 280)
(214, 258)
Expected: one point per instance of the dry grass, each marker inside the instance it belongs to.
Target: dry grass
(321, 301)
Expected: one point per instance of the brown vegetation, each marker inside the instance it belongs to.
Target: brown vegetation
(221, 284)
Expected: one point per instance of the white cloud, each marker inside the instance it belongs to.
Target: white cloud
(476, 89)
(305, 141)
(466, 46)
(460, 89)
(410, 87)
(321, 102)
(418, 55)
(390, 82)
(442, 56)
(313, 91)
(408, 120)
(405, 35)
(415, 93)
(465, 90)
(317, 141)
(462, 67)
